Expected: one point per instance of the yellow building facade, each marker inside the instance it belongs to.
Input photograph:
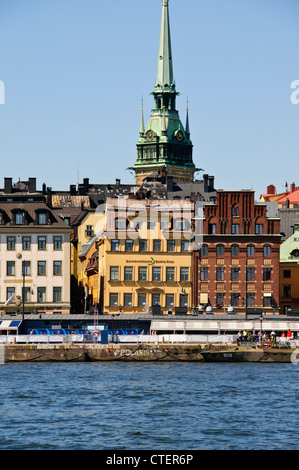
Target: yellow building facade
(143, 258)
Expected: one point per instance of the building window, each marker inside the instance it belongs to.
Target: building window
(267, 274)
(89, 232)
(26, 243)
(267, 301)
(41, 294)
(42, 243)
(258, 228)
(204, 251)
(10, 268)
(220, 250)
(250, 274)
(169, 300)
(220, 274)
(26, 268)
(235, 229)
(287, 291)
(113, 273)
(156, 299)
(11, 243)
(113, 300)
(156, 274)
(150, 224)
(57, 242)
(267, 251)
(164, 224)
(41, 218)
(235, 211)
(142, 274)
(26, 292)
(185, 245)
(220, 298)
(184, 276)
(183, 300)
(56, 294)
(57, 268)
(235, 299)
(115, 245)
(250, 299)
(141, 300)
(234, 274)
(180, 224)
(10, 292)
(127, 300)
(212, 229)
(128, 274)
(129, 245)
(142, 245)
(250, 251)
(120, 224)
(41, 268)
(287, 273)
(235, 250)
(19, 217)
(204, 274)
(170, 245)
(169, 274)
(157, 245)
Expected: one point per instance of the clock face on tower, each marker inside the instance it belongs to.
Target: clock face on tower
(150, 135)
(180, 136)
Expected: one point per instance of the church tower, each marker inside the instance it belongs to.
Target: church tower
(164, 142)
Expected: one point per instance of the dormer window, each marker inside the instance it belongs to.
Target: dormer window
(19, 218)
(42, 218)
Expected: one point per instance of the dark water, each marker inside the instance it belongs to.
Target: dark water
(170, 406)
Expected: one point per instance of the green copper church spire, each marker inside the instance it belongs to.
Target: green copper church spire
(164, 143)
(165, 68)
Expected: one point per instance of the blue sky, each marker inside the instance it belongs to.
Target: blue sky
(75, 71)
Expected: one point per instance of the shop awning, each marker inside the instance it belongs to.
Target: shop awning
(9, 324)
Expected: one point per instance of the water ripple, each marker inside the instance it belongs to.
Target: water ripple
(173, 406)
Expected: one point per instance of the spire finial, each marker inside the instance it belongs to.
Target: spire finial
(165, 70)
(142, 118)
(187, 120)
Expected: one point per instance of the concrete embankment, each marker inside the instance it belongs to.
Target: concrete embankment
(99, 352)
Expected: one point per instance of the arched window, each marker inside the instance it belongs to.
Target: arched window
(235, 211)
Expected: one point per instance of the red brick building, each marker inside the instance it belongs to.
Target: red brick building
(239, 257)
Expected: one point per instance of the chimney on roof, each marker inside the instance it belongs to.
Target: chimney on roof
(8, 185)
(86, 184)
(117, 181)
(206, 183)
(73, 189)
(292, 187)
(211, 183)
(32, 185)
(271, 189)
